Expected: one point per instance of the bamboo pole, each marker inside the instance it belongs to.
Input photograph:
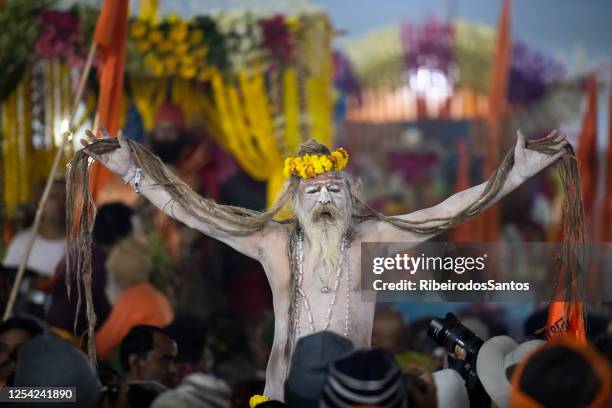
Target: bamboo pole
(41, 204)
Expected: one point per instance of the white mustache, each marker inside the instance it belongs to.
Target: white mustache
(330, 209)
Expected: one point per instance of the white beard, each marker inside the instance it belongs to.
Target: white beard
(325, 241)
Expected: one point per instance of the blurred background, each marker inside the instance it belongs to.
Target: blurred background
(425, 95)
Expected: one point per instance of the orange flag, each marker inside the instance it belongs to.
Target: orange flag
(566, 318)
(606, 219)
(588, 162)
(110, 37)
(497, 107)
(462, 231)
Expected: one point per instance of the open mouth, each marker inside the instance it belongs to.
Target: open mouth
(325, 214)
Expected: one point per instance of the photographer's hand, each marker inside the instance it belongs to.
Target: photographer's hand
(457, 361)
(426, 399)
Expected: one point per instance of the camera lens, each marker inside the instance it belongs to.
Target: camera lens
(449, 333)
(436, 330)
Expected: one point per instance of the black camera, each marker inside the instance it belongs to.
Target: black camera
(450, 334)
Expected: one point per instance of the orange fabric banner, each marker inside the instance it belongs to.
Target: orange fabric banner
(588, 161)
(566, 318)
(110, 37)
(497, 107)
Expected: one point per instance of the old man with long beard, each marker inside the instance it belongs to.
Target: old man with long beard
(312, 261)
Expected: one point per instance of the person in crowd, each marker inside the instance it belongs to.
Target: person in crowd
(365, 377)
(450, 390)
(135, 300)
(190, 333)
(14, 333)
(113, 223)
(47, 360)
(198, 161)
(562, 373)
(148, 353)
(113, 392)
(198, 390)
(195, 272)
(48, 249)
(603, 344)
(141, 394)
(389, 331)
(495, 358)
(260, 333)
(229, 359)
(309, 367)
(227, 343)
(135, 394)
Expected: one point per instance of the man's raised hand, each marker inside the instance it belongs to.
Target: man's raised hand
(118, 161)
(528, 162)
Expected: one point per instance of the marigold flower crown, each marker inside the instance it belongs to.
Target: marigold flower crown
(311, 165)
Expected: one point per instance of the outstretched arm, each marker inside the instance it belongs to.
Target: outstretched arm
(121, 162)
(526, 164)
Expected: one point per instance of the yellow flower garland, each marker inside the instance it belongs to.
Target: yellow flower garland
(310, 166)
(257, 399)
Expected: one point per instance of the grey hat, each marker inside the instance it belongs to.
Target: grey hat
(47, 360)
(197, 390)
(365, 377)
(496, 358)
(309, 367)
(450, 389)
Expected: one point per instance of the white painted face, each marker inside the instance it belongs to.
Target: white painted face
(323, 210)
(324, 198)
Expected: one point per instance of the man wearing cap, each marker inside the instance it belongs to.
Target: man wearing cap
(496, 359)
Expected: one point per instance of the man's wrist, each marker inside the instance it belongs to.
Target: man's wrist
(133, 178)
(515, 178)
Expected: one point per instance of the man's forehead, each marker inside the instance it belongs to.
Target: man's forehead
(326, 178)
(163, 342)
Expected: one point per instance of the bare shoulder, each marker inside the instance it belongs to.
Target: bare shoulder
(383, 231)
(366, 231)
(273, 239)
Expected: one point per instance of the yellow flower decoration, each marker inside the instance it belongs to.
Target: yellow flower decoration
(200, 52)
(181, 49)
(188, 72)
(165, 46)
(143, 46)
(196, 37)
(138, 29)
(257, 399)
(171, 64)
(312, 165)
(293, 22)
(205, 75)
(179, 32)
(156, 36)
(154, 65)
(188, 61)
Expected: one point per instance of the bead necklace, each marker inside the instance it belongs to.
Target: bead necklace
(347, 312)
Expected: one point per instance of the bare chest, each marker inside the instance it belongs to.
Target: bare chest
(329, 298)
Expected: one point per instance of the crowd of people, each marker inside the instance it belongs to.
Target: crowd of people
(194, 363)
